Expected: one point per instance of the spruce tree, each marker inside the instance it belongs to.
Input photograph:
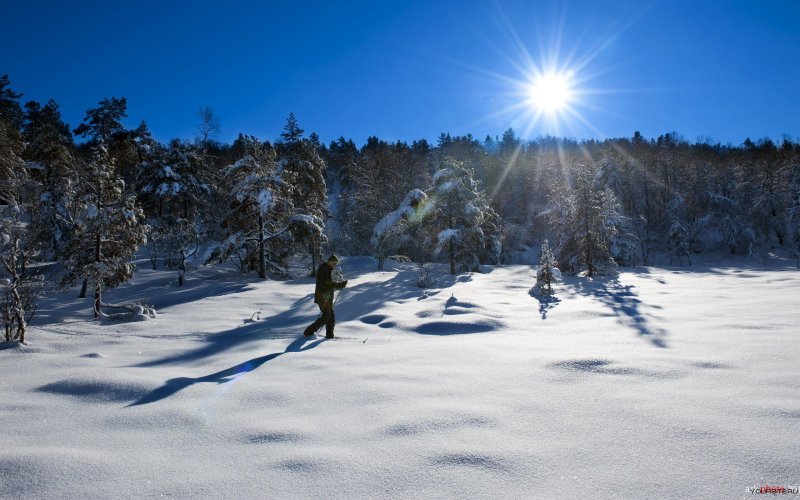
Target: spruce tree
(292, 133)
(547, 272)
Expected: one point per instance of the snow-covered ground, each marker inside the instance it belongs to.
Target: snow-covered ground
(667, 383)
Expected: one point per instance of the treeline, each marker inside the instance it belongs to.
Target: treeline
(629, 201)
(86, 199)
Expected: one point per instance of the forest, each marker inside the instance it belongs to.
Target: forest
(78, 204)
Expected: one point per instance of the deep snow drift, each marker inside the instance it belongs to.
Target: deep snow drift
(673, 383)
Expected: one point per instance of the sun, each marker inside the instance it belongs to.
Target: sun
(550, 93)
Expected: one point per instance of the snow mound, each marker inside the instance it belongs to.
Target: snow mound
(459, 328)
(100, 391)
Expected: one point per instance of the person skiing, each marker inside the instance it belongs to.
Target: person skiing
(323, 297)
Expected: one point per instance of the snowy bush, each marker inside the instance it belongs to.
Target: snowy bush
(425, 278)
(137, 310)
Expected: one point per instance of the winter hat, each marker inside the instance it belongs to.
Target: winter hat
(333, 258)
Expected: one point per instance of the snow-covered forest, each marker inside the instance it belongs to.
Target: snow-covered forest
(78, 203)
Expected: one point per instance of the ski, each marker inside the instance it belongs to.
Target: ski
(348, 339)
(340, 339)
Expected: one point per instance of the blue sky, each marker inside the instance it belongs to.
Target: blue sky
(408, 70)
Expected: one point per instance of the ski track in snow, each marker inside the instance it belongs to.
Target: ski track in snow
(666, 383)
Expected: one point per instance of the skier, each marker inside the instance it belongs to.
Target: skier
(323, 297)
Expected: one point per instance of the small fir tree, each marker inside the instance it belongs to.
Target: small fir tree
(547, 273)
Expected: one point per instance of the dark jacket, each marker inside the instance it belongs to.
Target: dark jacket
(323, 292)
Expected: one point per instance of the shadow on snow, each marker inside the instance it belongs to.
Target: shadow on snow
(546, 303)
(174, 385)
(624, 302)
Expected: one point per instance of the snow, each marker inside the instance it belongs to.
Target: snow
(169, 173)
(264, 199)
(91, 211)
(446, 235)
(406, 209)
(441, 174)
(447, 186)
(665, 383)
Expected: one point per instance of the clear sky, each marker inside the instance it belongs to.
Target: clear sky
(412, 69)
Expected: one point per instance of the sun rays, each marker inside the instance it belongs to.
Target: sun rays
(554, 86)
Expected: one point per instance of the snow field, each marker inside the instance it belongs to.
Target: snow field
(666, 383)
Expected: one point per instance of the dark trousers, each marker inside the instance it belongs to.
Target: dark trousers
(328, 318)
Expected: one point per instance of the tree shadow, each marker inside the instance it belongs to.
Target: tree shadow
(546, 303)
(174, 385)
(158, 288)
(624, 302)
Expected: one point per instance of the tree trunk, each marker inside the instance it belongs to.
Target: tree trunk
(17, 313)
(262, 261)
(313, 259)
(452, 254)
(451, 248)
(182, 268)
(98, 255)
(84, 288)
(97, 300)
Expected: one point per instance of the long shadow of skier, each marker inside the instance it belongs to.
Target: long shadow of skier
(358, 300)
(174, 385)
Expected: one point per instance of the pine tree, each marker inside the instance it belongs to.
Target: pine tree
(51, 150)
(401, 229)
(340, 159)
(12, 169)
(256, 227)
(19, 283)
(10, 110)
(107, 229)
(466, 227)
(585, 231)
(13, 173)
(303, 173)
(103, 123)
(169, 180)
(292, 133)
(678, 233)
